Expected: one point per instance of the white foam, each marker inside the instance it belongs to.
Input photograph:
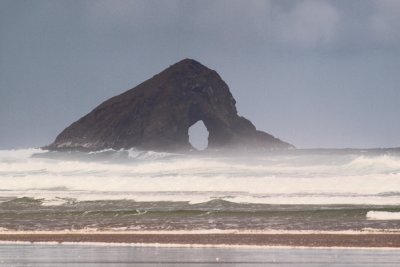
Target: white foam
(147, 155)
(101, 151)
(275, 180)
(383, 215)
(123, 231)
(54, 202)
(379, 164)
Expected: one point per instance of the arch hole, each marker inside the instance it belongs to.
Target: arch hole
(198, 135)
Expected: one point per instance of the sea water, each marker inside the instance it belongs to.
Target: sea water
(131, 190)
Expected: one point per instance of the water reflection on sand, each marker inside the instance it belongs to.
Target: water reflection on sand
(90, 255)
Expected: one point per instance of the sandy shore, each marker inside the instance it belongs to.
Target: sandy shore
(378, 240)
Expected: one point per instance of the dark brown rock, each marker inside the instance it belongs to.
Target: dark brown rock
(157, 114)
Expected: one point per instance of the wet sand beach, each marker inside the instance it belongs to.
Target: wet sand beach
(93, 255)
(367, 240)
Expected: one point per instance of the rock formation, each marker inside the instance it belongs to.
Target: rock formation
(157, 114)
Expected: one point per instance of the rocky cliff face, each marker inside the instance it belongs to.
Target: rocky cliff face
(157, 114)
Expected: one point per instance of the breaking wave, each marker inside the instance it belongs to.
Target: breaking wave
(383, 215)
(300, 177)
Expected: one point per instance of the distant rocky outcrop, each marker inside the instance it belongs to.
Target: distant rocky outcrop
(157, 114)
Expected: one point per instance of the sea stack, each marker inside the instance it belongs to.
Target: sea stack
(156, 115)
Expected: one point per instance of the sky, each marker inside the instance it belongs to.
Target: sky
(315, 73)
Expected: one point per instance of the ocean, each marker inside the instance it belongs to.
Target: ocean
(131, 190)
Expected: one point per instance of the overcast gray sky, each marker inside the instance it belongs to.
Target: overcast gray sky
(313, 73)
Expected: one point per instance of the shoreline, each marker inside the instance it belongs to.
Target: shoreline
(232, 239)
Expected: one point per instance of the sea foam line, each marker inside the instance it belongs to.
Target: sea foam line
(366, 231)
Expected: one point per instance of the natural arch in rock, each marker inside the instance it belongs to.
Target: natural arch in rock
(198, 135)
